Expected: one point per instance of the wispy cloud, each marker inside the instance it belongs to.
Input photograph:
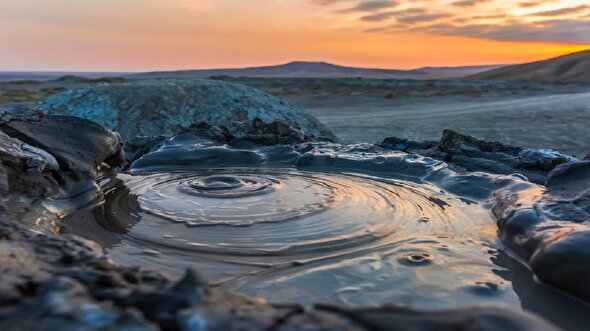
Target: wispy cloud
(372, 6)
(399, 14)
(423, 17)
(528, 20)
(564, 11)
(468, 3)
(531, 4)
(544, 31)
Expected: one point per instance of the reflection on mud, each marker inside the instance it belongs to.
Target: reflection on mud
(391, 228)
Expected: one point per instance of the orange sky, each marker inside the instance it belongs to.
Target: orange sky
(139, 35)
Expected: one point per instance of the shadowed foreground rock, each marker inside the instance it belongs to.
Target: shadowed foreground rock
(65, 282)
(40, 153)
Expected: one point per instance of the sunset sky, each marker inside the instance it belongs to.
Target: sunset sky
(139, 35)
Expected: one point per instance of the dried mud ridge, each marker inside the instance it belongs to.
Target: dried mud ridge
(52, 280)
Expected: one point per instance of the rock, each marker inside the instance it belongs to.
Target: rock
(141, 145)
(249, 134)
(65, 304)
(474, 154)
(470, 318)
(42, 154)
(167, 107)
(20, 113)
(550, 227)
(25, 169)
(65, 282)
(80, 148)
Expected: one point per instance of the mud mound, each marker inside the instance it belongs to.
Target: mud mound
(166, 107)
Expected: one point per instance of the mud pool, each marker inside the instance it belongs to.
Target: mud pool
(325, 223)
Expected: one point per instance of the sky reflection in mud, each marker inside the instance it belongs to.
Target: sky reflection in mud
(321, 223)
(297, 236)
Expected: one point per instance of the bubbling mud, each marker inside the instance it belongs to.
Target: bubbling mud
(290, 235)
(353, 225)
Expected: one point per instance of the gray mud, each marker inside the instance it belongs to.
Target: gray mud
(355, 225)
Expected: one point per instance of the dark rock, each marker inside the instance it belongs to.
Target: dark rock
(137, 147)
(80, 148)
(405, 145)
(319, 320)
(64, 304)
(248, 134)
(470, 318)
(457, 143)
(257, 132)
(550, 227)
(20, 113)
(25, 169)
(474, 154)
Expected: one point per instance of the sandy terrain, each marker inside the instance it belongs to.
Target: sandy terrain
(553, 121)
(534, 115)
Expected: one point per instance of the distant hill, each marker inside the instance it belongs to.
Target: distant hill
(568, 68)
(301, 69)
(42, 75)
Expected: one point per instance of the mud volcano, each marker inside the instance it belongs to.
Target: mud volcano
(456, 234)
(318, 223)
(291, 235)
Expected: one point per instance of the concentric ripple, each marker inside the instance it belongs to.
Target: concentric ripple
(298, 236)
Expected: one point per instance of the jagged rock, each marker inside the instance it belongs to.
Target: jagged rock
(474, 154)
(402, 144)
(167, 107)
(248, 134)
(65, 304)
(20, 113)
(137, 147)
(40, 153)
(25, 169)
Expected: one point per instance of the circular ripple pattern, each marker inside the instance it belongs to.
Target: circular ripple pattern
(234, 199)
(296, 236)
(228, 186)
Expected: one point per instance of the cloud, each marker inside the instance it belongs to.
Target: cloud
(528, 4)
(531, 4)
(468, 3)
(572, 31)
(370, 6)
(563, 11)
(379, 17)
(486, 19)
(423, 17)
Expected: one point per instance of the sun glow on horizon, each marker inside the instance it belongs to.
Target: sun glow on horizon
(140, 35)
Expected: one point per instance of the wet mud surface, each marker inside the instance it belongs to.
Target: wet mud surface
(353, 225)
